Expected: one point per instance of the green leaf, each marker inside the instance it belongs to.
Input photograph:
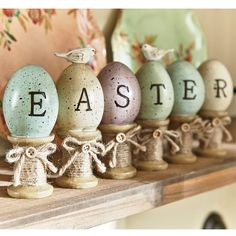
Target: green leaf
(10, 35)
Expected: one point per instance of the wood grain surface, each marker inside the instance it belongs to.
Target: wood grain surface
(114, 199)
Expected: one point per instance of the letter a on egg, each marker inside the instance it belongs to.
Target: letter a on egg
(84, 99)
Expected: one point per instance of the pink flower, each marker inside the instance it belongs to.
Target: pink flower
(35, 15)
(9, 12)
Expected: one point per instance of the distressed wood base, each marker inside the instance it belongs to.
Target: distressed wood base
(181, 158)
(151, 165)
(76, 182)
(30, 192)
(211, 152)
(119, 173)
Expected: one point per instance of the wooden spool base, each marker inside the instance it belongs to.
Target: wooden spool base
(119, 173)
(65, 181)
(210, 152)
(30, 192)
(151, 165)
(181, 158)
(77, 182)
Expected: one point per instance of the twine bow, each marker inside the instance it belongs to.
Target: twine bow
(170, 135)
(209, 126)
(205, 133)
(79, 149)
(18, 155)
(121, 138)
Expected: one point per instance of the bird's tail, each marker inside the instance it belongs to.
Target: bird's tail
(171, 50)
(63, 55)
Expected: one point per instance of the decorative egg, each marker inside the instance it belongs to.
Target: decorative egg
(189, 90)
(122, 95)
(218, 84)
(81, 101)
(156, 90)
(30, 103)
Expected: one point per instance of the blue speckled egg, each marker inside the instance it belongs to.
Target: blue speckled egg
(189, 90)
(30, 103)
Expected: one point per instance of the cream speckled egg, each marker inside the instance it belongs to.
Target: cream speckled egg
(218, 84)
(81, 100)
(189, 90)
(122, 96)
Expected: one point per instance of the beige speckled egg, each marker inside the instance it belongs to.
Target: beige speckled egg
(122, 95)
(81, 101)
(218, 84)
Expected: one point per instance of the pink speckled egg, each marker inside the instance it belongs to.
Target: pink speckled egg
(122, 95)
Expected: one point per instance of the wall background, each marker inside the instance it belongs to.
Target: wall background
(218, 25)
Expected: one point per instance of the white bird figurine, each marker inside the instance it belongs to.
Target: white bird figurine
(78, 55)
(154, 54)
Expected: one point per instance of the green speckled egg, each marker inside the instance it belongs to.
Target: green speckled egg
(81, 99)
(188, 87)
(156, 91)
(30, 103)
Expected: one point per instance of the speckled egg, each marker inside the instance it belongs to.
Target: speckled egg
(218, 84)
(122, 95)
(189, 90)
(30, 103)
(156, 90)
(80, 97)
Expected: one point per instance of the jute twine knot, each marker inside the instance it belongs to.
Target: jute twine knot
(122, 138)
(194, 126)
(82, 150)
(171, 136)
(21, 155)
(210, 126)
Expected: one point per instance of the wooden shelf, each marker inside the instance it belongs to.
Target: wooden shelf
(113, 199)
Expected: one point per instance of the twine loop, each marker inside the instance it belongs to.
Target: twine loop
(121, 138)
(82, 150)
(19, 155)
(221, 123)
